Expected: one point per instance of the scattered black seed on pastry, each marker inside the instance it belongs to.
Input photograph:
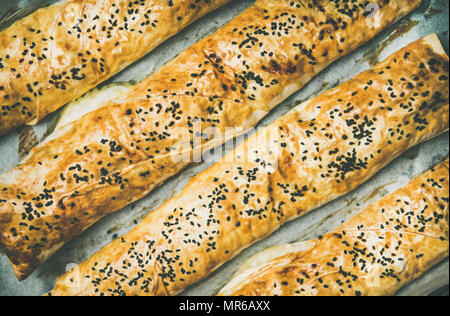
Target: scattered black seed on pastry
(58, 53)
(121, 152)
(234, 204)
(389, 244)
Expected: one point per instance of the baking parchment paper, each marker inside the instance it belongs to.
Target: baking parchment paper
(431, 17)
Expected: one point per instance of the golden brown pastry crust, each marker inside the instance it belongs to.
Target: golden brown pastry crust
(60, 52)
(117, 154)
(314, 154)
(377, 252)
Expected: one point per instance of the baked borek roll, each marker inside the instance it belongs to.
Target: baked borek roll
(60, 52)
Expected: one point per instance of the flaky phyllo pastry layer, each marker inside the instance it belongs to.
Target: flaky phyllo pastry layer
(319, 151)
(58, 53)
(390, 243)
(120, 152)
